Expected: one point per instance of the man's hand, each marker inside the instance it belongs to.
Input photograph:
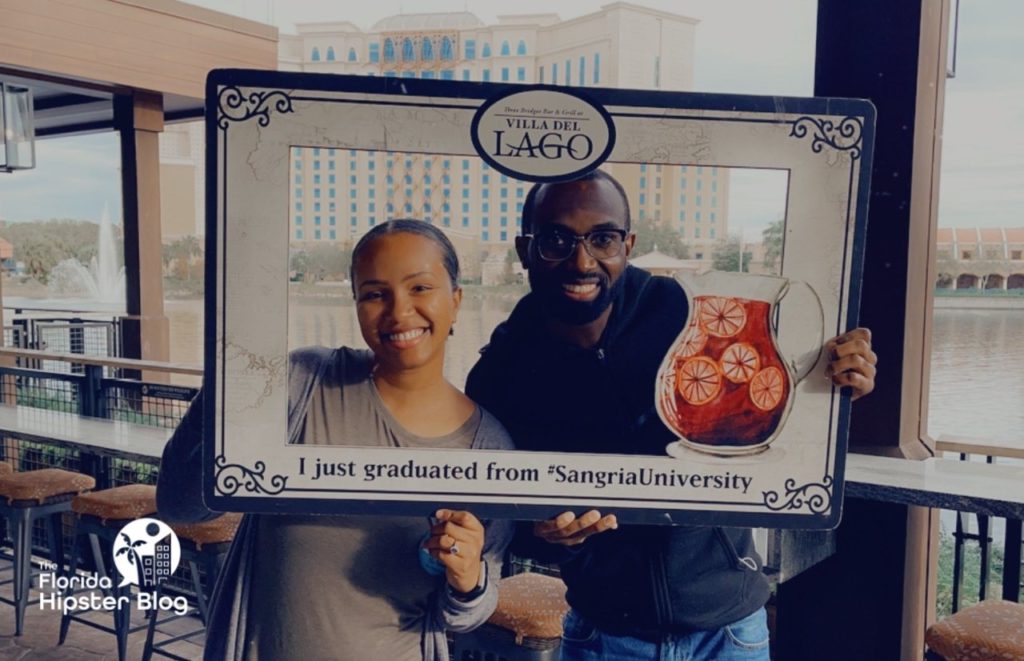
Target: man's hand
(457, 540)
(567, 530)
(851, 362)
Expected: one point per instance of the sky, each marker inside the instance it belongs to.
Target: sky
(742, 46)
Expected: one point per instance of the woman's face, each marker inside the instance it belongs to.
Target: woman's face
(404, 301)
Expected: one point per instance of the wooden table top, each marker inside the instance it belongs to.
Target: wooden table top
(99, 435)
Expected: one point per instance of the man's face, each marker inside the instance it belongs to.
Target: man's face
(578, 289)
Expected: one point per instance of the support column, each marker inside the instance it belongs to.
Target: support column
(139, 119)
(882, 576)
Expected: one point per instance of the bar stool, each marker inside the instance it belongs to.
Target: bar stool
(989, 630)
(100, 515)
(525, 626)
(203, 545)
(24, 498)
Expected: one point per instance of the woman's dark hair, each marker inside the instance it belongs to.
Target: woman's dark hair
(409, 226)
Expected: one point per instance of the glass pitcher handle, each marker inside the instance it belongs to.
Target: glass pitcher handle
(803, 364)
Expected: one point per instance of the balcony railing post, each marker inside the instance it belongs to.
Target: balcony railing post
(90, 397)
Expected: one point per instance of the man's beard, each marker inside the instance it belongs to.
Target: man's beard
(548, 288)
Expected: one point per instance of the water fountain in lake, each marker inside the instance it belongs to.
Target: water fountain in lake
(102, 281)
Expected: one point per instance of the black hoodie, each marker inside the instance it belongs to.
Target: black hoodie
(641, 581)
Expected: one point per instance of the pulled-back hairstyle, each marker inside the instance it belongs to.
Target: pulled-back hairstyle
(593, 175)
(409, 226)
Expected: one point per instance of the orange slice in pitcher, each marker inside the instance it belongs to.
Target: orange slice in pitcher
(722, 317)
(740, 362)
(699, 380)
(692, 342)
(767, 388)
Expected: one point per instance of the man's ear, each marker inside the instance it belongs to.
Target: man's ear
(523, 250)
(630, 241)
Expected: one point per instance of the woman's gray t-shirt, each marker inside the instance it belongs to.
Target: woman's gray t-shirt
(350, 585)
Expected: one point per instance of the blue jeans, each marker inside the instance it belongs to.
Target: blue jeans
(744, 640)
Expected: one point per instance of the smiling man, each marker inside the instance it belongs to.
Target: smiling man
(572, 370)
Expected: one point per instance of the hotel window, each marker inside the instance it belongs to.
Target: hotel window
(712, 216)
(657, 199)
(487, 50)
(504, 221)
(486, 193)
(696, 233)
(316, 206)
(714, 200)
(352, 221)
(465, 74)
(711, 234)
(333, 235)
(568, 72)
(448, 74)
(298, 220)
(540, 74)
(698, 200)
(316, 192)
(696, 216)
(298, 165)
(351, 55)
(446, 221)
(465, 179)
(428, 50)
(485, 207)
(597, 68)
(298, 192)
(486, 179)
(583, 70)
(504, 191)
(470, 49)
(521, 74)
(519, 191)
(372, 193)
(643, 198)
(682, 182)
(465, 207)
(372, 179)
(316, 165)
(487, 75)
(373, 221)
(504, 74)
(298, 206)
(332, 221)
(316, 179)
(446, 49)
(331, 179)
(504, 235)
(375, 52)
(554, 73)
(298, 234)
(330, 165)
(353, 207)
(682, 216)
(505, 50)
(298, 178)
(519, 207)
(316, 54)
(714, 186)
(486, 235)
(484, 222)
(521, 48)
(643, 183)
(316, 220)
(371, 164)
(657, 71)
(465, 221)
(408, 53)
(465, 164)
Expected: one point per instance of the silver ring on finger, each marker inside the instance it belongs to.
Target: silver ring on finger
(454, 550)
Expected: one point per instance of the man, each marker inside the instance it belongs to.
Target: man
(573, 370)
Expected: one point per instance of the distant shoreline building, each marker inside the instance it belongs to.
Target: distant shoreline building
(980, 258)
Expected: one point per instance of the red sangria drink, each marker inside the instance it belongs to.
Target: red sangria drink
(724, 387)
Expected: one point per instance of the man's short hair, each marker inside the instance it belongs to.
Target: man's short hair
(593, 175)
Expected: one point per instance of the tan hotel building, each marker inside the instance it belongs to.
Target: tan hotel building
(338, 194)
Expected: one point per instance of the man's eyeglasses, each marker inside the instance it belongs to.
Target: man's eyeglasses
(556, 246)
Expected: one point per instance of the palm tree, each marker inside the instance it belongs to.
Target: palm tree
(133, 555)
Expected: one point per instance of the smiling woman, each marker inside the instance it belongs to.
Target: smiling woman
(400, 581)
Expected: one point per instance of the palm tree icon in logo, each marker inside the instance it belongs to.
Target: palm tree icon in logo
(129, 550)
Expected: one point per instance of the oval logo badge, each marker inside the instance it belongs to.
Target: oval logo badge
(542, 134)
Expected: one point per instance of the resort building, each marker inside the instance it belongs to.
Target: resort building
(339, 194)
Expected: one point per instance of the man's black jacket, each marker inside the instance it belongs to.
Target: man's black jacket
(643, 581)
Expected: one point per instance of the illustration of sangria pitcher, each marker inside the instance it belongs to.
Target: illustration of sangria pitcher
(724, 386)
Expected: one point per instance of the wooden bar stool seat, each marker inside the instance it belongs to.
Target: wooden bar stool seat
(525, 626)
(25, 497)
(100, 515)
(203, 545)
(987, 631)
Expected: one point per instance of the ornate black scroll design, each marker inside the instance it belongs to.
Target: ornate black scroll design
(816, 496)
(232, 477)
(234, 106)
(844, 136)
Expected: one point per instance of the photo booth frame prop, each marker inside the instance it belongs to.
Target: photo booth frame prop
(254, 119)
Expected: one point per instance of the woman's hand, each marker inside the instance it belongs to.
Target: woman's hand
(851, 362)
(457, 540)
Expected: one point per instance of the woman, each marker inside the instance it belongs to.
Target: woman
(360, 587)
